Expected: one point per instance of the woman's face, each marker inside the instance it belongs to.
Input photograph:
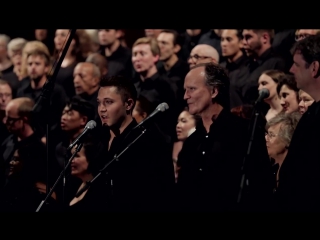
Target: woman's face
(267, 82)
(276, 145)
(79, 164)
(305, 100)
(15, 164)
(288, 99)
(61, 38)
(185, 123)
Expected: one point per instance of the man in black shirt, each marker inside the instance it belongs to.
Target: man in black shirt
(152, 85)
(299, 178)
(235, 63)
(142, 178)
(173, 67)
(257, 44)
(118, 57)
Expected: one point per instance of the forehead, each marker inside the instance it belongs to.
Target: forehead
(35, 58)
(195, 77)
(265, 77)
(5, 88)
(62, 31)
(165, 37)
(185, 114)
(229, 33)
(145, 47)
(297, 57)
(12, 107)
(108, 92)
(275, 128)
(286, 89)
(83, 68)
(307, 31)
(199, 50)
(247, 32)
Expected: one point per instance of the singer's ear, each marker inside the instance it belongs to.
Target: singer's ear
(129, 104)
(315, 69)
(214, 92)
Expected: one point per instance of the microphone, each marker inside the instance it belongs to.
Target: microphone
(161, 108)
(90, 125)
(263, 94)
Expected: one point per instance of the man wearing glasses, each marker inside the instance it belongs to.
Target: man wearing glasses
(23, 139)
(203, 53)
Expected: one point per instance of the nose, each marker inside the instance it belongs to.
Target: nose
(76, 79)
(259, 87)
(223, 43)
(282, 102)
(301, 103)
(186, 95)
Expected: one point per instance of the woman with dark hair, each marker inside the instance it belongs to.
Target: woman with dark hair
(289, 93)
(86, 164)
(269, 80)
(79, 49)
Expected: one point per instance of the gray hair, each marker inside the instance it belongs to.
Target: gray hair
(16, 44)
(288, 121)
(5, 38)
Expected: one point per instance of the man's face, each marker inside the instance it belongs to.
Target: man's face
(230, 43)
(197, 94)
(36, 66)
(153, 33)
(142, 58)
(71, 120)
(14, 122)
(83, 78)
(108, 36)
(199, 55)
(251, 42)
(301, 72)
(111, 108)
(167, 48)
(41, 34)
(5, 95)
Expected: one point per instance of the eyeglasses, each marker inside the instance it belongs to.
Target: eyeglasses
(11, 120)
(197, 57)
(271, 135)
(301, 36)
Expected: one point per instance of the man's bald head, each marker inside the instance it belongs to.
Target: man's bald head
(20, 107)
(203, 53)
(100, 61)
(86, 78)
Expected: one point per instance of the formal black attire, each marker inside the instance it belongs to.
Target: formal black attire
(210, 168)
(299, 179)
(143, 177)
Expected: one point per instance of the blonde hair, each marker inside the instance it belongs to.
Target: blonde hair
(151, 41)
(30, 47)
(16, 44)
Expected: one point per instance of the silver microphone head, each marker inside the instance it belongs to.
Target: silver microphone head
(264, 93)
(91, 124)
(163, 107)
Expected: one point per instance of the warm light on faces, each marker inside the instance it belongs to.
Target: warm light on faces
(275, 143)
(267, 82)
(111, 108)
(288, 100)
(305, 101)
(79, 164)
(230, 43)
(185, 123)
(142, 58)
(5, 95)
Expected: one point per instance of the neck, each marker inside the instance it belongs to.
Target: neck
(117, 130)
(85, 178)
(69, 58)
(263, 49)
(170, 62)
(93, 90)
(149, 73)
(38, 84)
(27, 132)
(109, 50)
(73, 135)
(235, 57)
(210, 115)
(274, 104)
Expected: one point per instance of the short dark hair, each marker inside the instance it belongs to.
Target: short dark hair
(125, 87)
(144, 105)
(176, 36)
(290, 81)
(84, 107)
(217, 77)
(309, 48)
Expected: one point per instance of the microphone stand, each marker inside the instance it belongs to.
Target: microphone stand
(88, 183)
(62, 174)
(253, 129)
(42, 106)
